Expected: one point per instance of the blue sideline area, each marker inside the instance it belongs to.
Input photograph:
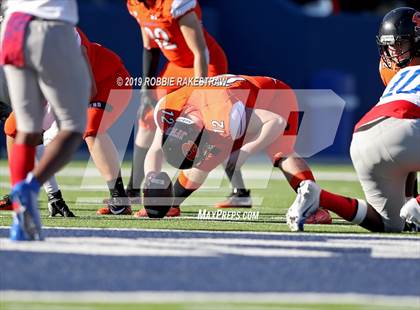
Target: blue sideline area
(350, 264)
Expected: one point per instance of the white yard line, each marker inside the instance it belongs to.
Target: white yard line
(410, 302)
(343, 235)
(219, 245)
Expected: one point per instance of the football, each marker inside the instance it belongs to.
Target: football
(158, 194)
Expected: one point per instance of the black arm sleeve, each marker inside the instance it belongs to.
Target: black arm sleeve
(150, 62)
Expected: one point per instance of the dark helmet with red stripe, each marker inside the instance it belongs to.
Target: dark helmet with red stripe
(185, 144)
(181, 143)
(399, 31)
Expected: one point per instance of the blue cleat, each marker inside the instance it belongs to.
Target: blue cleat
(16, 232)
(26, 221)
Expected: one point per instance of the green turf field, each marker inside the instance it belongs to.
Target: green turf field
(193, 306)
(277, 197)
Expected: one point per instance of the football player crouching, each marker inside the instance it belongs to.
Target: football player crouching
(202, 127)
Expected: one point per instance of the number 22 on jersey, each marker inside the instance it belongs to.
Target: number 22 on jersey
(160, 37)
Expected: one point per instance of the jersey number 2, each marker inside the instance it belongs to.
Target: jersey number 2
(161, 38)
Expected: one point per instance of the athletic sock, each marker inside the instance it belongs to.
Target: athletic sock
(51, 185)
(183, 188)
(137, 169)
(116, 187)
(299, 177)
(22, 163)
(350, 209)
(241, 192)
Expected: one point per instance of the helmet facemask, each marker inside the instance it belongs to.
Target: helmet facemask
(397, 52)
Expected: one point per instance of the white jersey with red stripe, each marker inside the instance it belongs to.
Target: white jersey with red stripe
(61, 10)
(400, 99)
(405, 85)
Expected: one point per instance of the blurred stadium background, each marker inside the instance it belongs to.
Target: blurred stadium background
(328, 44)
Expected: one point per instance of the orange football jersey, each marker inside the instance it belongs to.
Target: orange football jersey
(160, 22)
(103, 61)
(222, 110)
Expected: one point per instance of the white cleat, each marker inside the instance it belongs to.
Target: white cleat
(305, 204)
(410, 212)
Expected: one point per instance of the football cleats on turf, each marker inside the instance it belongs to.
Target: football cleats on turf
(57, 205)
(239, 198)
(305, 204)
(116, 206)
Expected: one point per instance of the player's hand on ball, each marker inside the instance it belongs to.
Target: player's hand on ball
(158, 194)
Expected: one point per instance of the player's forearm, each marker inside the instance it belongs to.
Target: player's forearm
(200, 65)
(192, 31)
(153, 161)
(150, 62)
(268, 133)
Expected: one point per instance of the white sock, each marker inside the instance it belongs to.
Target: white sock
(361, 212)
(50, 186)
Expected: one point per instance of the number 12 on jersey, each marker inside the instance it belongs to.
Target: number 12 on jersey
(410, 86)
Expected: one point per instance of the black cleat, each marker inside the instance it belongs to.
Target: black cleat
(6, 203)
(134, 196)
(116, 206)
(411, 227)
(237, 199)
(57, 205)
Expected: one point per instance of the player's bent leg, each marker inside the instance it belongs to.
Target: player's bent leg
(9, 146)
(6, 203)
(356, 211)
(66, 86)
(310, 197)
(26, 221)
(383, 157)
(105, 157)
(143, 141)
(240, 197)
